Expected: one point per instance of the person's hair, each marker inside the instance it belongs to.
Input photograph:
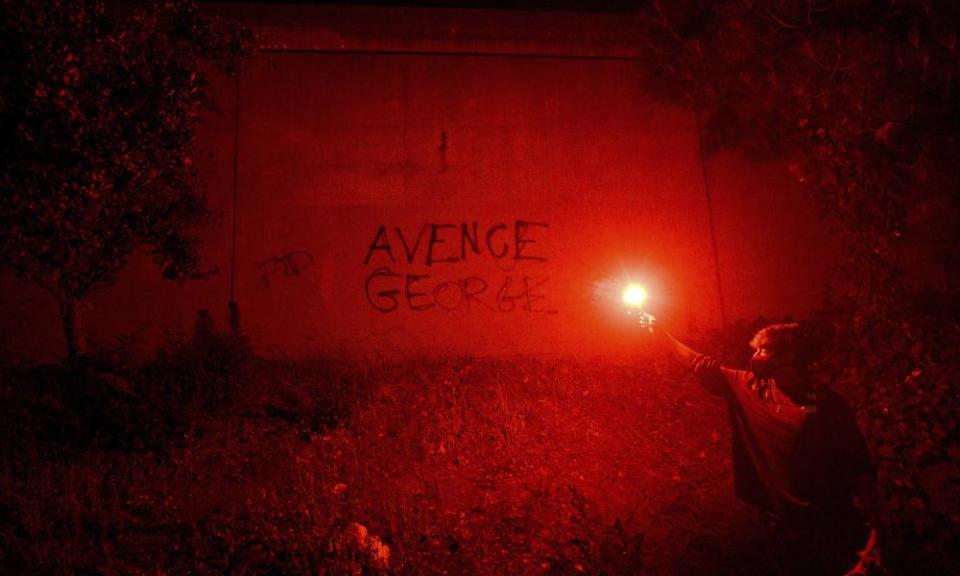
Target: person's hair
(777, 338)
(789, 338)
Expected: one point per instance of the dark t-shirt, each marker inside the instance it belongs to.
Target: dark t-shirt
(797, 462)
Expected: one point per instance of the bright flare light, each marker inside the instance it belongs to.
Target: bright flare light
(635, 295)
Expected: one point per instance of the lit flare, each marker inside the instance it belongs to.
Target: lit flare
(634, 296)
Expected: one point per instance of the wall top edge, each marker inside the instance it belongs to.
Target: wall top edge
(349, 29)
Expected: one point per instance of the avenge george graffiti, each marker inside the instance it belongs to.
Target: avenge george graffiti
(389, 288)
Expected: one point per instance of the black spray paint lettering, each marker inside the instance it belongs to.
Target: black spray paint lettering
(383, 300)
(388, 291)
(440, 237)
(442, 148)
(284, 266)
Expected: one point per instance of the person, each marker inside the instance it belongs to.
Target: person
(798, 456)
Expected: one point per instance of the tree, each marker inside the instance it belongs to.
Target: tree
(861, 96)
(98, 110)
(863, 100)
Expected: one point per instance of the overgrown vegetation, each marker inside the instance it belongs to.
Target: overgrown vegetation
(861, 99)
(98, 113)
(209, 460)
(193, 465)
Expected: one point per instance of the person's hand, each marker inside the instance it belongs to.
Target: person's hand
(703, 363)
(867, 567)
(644, 319)
(870, 563)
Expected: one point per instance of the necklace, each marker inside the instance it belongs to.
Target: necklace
(807, 408)
(773, 396)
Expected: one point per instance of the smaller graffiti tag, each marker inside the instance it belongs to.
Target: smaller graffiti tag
(284, 266)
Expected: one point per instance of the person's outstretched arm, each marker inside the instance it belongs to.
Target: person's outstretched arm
(707, 369)
(683, 352)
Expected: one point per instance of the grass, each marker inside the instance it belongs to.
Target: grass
(204, 464)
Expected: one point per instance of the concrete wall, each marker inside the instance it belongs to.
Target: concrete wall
(423, 123)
